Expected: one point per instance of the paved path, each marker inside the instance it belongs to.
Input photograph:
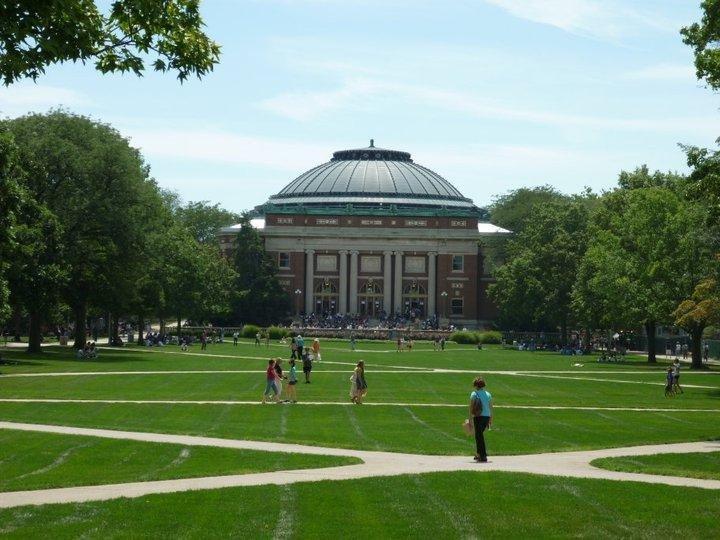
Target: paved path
(341, 403)
(568, 464)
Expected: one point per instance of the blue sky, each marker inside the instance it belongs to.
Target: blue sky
(491, 94)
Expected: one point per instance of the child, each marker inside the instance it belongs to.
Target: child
(669, 378)
(292, 383)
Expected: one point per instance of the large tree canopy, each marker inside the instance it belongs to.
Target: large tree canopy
(533, 289)
(126, 36)
(704, 38)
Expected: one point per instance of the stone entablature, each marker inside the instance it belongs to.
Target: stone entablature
(395, 222)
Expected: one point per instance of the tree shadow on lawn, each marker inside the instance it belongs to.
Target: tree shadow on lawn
(48, 357)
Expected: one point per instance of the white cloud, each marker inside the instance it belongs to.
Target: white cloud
(222, 146)
(22, 98)
(665, 72)
(356, 93)
(604, 19)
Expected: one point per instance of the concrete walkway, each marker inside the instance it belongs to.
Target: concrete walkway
(375, 464)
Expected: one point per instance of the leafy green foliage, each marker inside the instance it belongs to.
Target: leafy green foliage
(464, 337)
(533, 289)
(128, 37)
(250, 330)
(204, 220)
(490, 337)
(704, 38)
(258, 296)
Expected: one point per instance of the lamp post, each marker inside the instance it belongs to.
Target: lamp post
(298, 292)
(444, 296)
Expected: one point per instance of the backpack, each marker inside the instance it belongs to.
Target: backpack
(476, 407)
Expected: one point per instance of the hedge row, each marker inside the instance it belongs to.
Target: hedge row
(468, 337)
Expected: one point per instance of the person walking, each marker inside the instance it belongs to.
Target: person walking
(358, 387)
(316, 349)
(307, 365)
(676, 377)
(706, 353)
(257, 339)
(293, 349)
(292, 383)
(267, 339)
(270, 383)
(480, 416)
(203, 341)
(352, 342)
(235, 338)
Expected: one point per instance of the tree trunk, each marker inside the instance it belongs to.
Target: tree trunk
(696, 334)
(34, 333)
(179, 333)
(141, 330)
(80, 320)
(109, 322)
(563, 331)
(17, 323)
(114, 332)
(651, 330)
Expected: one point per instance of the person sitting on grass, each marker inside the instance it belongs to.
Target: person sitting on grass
(676, 377)
(292, 383)
(480, 416)
(358, 388)
(669, 378)
(307, 364)
(270, 383)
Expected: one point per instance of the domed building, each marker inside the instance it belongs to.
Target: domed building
(371, 232)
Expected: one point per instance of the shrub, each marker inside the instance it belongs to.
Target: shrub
(249, 330)
(464, 337)
(275, 332)
(491, 337)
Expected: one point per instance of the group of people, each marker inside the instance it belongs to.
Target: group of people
(411, 317)
(274, 377)
(88, 351)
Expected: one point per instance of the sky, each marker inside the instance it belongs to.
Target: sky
(491, 94)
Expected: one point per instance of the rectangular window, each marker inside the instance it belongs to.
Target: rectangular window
(458, 263)
(456, 306)
(284, 260)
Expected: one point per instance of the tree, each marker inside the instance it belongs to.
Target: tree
(704, 180)
(127, 36)
(533, 289)
(204, 220)
(258, 296)
(697, 312)
(96, 186)
(9, 203)
(196, 279)
(704, 38)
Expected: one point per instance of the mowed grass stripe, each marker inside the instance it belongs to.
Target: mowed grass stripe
(515, 431)
(31, 460)
(438, 505)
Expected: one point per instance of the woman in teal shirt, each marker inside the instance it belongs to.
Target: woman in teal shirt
(480, 416)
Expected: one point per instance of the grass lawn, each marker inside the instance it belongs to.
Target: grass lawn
(698, 465)
(447, 505)
(444, 505)
(31, 460)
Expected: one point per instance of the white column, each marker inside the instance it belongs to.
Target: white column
(397, 297)
(343, 282)
(309, 280)
(387, 282)
(353, 281)
(432, 256)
